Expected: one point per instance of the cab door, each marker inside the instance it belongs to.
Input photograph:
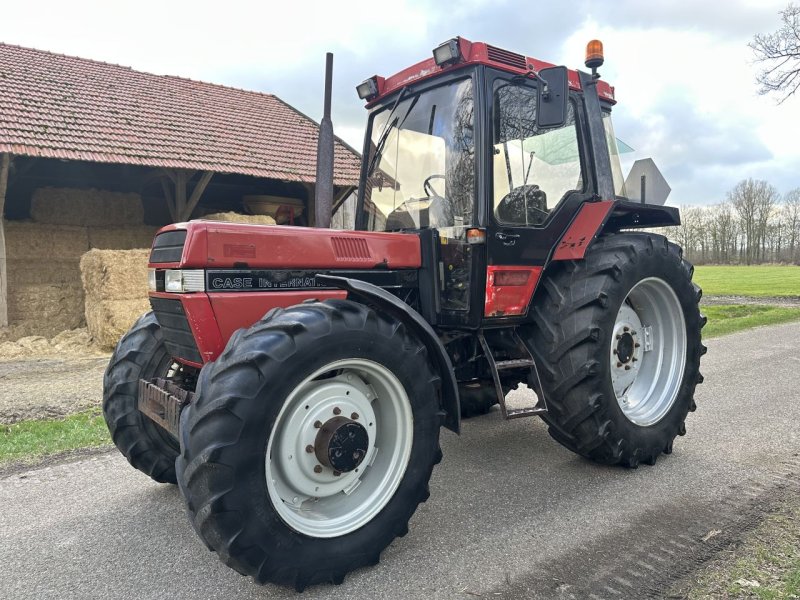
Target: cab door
(537, 182)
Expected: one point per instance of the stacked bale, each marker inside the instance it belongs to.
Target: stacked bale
(45, 295)
(233, 217)
(115, 282)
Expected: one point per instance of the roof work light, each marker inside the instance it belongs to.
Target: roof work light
(447, 53)
(368, 89)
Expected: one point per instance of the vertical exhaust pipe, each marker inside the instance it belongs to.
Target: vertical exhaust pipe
(323, 198)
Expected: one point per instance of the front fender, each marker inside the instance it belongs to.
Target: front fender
(392, 305)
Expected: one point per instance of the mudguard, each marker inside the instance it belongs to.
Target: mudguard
(420, 327)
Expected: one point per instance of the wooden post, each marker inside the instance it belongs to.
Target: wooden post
(5, 161)
(197, 192)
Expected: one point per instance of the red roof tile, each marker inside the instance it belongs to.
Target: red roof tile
(60, 106)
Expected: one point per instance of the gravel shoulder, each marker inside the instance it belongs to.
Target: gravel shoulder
(40, 388)
(786, 301)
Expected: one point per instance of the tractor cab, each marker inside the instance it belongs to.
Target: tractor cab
(493, 151)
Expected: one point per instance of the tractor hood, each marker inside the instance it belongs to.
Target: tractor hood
(212, 244)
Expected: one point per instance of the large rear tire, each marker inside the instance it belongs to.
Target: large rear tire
(140, 354)
(256, 440)
(617, 339)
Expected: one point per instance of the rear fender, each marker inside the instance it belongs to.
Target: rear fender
(420, 327)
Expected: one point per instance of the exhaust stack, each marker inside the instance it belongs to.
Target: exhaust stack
(323, 197)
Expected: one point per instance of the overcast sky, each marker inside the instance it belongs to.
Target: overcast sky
(682, 70)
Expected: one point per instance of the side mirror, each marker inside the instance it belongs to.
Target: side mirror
(551, 101)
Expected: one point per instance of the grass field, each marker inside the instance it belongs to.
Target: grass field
(729, 318)
(755, 281)
(34, 439)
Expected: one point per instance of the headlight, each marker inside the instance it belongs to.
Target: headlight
(151, 280)
(184, 280)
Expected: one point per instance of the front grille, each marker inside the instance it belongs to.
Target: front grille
(178, 337)
(168, 247)
(506, 57)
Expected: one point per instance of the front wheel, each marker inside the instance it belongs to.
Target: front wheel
(617, 337)
(310, 443)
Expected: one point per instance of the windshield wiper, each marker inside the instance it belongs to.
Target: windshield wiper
(387, 128)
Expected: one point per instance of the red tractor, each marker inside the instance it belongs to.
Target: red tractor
(293, 381)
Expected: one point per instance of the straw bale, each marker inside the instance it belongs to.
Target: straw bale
(108, 320)
(114, 274)
(233, 217)
(88, 207)
(74, 342)
(24, 271)
(121, 238)
(26, 240)
(45, 309)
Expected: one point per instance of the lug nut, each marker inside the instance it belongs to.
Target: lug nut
(337, 473)
(309, 448)
(354, 416)
(318, 469)
(634, 359)
(615, 350)
(619, 364)
(627, 367)
(337, 410)
(619, 336)
(626, 329)
(317, 424)
(637, 345)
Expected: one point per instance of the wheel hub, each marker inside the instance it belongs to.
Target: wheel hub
(625, 348)
(341, 444)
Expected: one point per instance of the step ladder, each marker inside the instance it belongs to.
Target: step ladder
(523, 361)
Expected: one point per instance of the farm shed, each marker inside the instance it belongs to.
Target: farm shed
(95, 155)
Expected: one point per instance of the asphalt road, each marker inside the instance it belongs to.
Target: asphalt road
(512, 514)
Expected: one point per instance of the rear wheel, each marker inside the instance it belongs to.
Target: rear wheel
(140, 354)
(617, 338)
(310, 443)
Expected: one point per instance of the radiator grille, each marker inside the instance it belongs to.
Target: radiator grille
(178, 337)
(168, 247)
(347, 248)
(506, 57)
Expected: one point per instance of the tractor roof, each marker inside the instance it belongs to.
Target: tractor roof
(474, 53)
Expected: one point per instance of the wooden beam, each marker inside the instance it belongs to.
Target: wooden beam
(5, 162)
(169, 198)
(197, 192)
(180, 194)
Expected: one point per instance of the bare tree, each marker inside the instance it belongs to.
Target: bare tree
(791, 211)
(779, 52)
(754, 201)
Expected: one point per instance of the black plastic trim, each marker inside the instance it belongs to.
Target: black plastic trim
(421, 328)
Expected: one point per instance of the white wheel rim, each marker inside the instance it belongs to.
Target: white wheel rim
(648, 351)
(320, 503)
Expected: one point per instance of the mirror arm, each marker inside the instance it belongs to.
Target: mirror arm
(545, 86)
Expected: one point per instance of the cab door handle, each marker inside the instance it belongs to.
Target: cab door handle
(508, 239)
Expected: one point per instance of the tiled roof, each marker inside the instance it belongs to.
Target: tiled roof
(60, 106)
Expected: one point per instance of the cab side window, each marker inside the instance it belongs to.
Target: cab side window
(532, 169)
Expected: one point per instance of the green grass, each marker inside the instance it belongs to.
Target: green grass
(728, 318)
(765, 566)
(35, 439)
(755, 281)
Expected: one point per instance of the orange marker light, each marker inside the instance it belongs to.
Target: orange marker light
(476, 236)
(594, 54)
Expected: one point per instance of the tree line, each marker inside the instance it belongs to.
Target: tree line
(754, 225)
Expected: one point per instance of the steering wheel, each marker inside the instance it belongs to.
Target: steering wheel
(432, 193)
(512, 208)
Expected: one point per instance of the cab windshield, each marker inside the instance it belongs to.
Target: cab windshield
(422, 162)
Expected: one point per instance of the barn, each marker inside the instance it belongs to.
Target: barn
(96, 155)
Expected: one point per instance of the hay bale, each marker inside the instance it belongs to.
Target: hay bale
(26, 240)
(74, 342)
(121, 238)
(115, 283)
(54, 271)
(44, 309)
(232, 217)
(87, 207)
(108, 320)
(114, 274)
